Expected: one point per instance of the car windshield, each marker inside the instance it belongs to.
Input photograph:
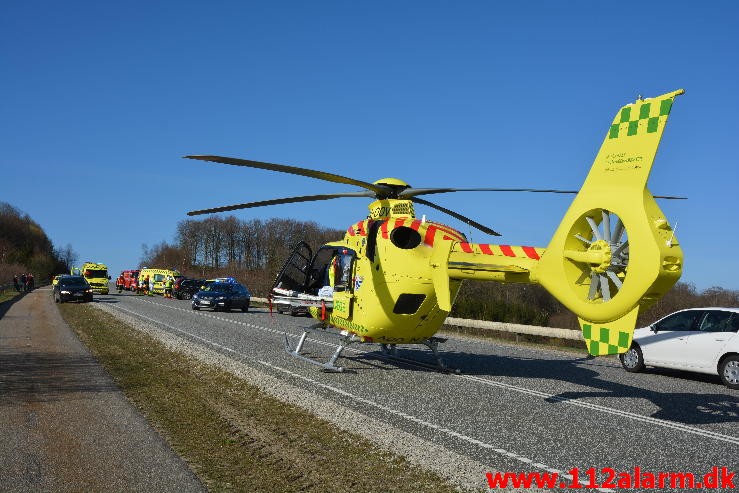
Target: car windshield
(73, 281)
(96, 273)
(218, 287)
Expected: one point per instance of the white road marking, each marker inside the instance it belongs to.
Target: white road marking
(356, 398)
(523, 390)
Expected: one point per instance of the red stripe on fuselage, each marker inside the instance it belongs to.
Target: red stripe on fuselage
(507, 251)
(486, 249)
(531, 252)
(430, 235)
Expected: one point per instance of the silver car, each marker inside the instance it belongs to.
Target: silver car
(703, 340)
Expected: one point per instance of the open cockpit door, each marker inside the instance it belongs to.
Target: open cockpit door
(295, 272)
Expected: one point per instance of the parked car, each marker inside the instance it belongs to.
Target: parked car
(72, 288)
(222, 295)
(184, 288)
(703, 340)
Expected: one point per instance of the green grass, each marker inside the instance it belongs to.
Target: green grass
(233, 436)
(7, 295)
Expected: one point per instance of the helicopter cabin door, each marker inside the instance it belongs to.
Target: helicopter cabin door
(294, 274)
(341, 275)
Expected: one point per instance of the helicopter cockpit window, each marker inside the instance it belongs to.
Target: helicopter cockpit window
(340, 270)
(331, 269)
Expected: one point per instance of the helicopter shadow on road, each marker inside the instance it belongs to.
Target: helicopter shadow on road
(683, 407)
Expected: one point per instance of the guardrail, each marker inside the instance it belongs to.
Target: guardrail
(534, 330)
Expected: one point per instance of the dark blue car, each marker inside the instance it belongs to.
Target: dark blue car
(222, 295)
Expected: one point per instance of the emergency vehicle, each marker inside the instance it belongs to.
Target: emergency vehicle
(96, 275)
(158, 276)
(129, 279)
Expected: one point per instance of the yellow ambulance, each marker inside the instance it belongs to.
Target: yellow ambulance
(158, 276)
(96, 275)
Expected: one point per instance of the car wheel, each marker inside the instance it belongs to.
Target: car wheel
(632, 360)
(195, 307)
(245, 308)
(729, 371)
(186, 296)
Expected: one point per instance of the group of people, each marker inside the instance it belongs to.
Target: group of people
(145, 286)
(24, 284)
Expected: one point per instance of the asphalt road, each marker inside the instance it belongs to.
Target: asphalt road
(64, 425)
(512, 408)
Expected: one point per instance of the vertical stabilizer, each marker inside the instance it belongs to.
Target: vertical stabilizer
(614, 252)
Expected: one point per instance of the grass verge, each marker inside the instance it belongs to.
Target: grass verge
(235, 437)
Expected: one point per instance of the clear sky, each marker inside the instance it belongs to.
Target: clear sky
(100, 101)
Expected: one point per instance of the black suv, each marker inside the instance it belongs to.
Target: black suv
(183, 289)
(72, 288)
(220, 295)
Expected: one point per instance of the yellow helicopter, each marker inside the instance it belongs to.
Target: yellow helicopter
(393, 278)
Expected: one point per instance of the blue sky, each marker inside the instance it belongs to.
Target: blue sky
(100, 100)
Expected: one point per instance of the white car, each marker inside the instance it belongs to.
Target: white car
(703, 340)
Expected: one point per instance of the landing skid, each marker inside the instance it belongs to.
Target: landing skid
(329, 366)
(346, 339)
(391, 351)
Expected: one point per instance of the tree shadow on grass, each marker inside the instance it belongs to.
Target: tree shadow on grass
(38, 377)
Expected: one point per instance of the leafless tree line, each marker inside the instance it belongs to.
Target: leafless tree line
(253, 250)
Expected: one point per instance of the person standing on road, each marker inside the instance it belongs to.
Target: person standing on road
(149, 286)
(15, 283)
(168, 287)
(23, 282)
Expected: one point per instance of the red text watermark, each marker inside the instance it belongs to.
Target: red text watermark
(609, 478)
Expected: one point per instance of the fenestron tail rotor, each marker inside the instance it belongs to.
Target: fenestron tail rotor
(601, 254)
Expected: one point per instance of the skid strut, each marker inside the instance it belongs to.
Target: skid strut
(391, 352)
(345, 339)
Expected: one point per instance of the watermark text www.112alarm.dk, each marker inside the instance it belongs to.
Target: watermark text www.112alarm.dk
(609, 478)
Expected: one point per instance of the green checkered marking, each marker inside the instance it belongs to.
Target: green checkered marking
(625, 114)
(644, 110)
(599, 340)
(652, 123)
(623, 339)
(665, 107)
(586, 330)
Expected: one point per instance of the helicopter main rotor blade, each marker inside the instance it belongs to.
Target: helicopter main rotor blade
(293, 170)
(414, 192)
(455, 215)
(287, 200)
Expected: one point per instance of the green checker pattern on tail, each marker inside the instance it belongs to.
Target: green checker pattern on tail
(604, 341)
(640, 119)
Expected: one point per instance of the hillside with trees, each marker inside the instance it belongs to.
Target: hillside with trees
(25, 248)
(254, 251)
